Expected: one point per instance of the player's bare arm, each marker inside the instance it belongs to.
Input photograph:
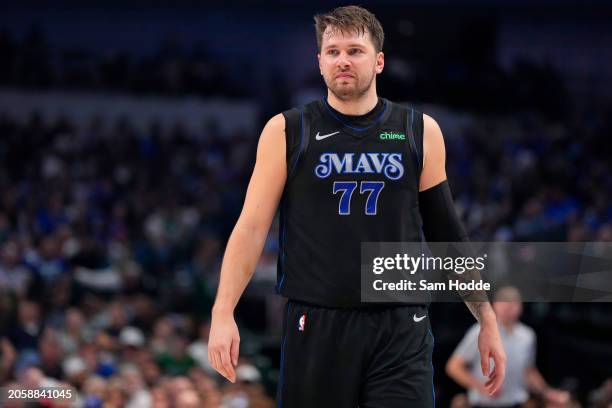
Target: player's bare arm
(433, 182)
(246, 243)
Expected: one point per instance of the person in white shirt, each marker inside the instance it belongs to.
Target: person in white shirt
(519, 343)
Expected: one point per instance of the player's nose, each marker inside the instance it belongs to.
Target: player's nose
(343, 64)
(343, 60)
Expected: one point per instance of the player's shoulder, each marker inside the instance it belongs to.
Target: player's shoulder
(276, 121)
(274, 130)
(431, 126)
(294, 117)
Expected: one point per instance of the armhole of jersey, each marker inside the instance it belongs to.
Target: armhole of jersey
(414, 130)
(297, 130)
(293, 118)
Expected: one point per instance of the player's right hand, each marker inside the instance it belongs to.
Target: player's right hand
(483, 389)
(490, 346)
(223, 345)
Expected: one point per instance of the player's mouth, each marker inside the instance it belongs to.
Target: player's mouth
(344, 75)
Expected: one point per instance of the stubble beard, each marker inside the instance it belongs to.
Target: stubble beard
(348, 92)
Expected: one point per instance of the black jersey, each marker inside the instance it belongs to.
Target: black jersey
(349, 180)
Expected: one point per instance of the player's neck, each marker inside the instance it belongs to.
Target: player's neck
(355, 107)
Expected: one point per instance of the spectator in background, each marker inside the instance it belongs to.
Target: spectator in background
(29, 326)
(115, 395)
(198, 349)
(14, 276)
(522, 374)
(176, 361)
(163, 331)
(94, 391)
(7, 359)
(75, 371)
(206, 386)
(51, 354)
(138, 395)
(131, 344)
(248, 383)
(72, 332)
(159, 398)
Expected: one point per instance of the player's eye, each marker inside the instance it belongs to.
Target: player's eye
(332, 52)
(355, 51)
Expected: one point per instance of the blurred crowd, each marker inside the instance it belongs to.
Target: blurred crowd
(524, 178)
(31, 62)
(110, 244)
(109, 363)
(462, 72)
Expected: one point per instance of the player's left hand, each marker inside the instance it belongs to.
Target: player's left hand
(490, 347)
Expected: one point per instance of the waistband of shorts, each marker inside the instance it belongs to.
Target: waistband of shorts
(360, 307)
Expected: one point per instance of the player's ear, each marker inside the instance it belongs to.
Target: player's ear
(319, 59)
(380, 62)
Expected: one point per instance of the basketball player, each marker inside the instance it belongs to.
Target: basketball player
(346, 169)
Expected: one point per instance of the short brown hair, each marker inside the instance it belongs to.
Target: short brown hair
(350, 19)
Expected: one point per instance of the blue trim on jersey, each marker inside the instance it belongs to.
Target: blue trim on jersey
(433, 388)
(283, 215)
(281, 377)
(357, 129)
(282, 232)
(413, 144)
(301, 144)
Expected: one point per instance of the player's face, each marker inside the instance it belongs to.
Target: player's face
(349, 63)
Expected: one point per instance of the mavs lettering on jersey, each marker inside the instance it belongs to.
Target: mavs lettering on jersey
(389, 164)
(355, 187)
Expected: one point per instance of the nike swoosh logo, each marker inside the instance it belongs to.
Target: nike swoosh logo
(321, 137)
(418, 319)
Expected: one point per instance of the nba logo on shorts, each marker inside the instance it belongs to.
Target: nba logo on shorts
(302, 322)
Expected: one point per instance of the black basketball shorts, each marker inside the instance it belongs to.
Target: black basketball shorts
(348, 358)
